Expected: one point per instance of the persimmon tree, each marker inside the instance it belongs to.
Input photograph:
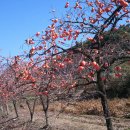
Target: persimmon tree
(84, 30)
(16, 81)
(52, 80)
(21, 78)
(3, 92)
(24, 82)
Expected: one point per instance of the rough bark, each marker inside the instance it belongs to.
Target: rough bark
(15, 108)
(45, 105)
(29, 107)
(104, 102)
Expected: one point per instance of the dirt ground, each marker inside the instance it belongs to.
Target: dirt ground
(60, 122)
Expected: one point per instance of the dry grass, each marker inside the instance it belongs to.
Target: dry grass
(66, 121)
(118, 107)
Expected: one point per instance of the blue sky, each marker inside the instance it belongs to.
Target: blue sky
(20, 19)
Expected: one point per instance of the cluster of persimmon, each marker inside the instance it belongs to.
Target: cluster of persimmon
(92, 40)
(6, 95)
(123, 3)
(117, 69)
(30, 41)
(22, 71)
(77, 5)
(6, 92)
(25, 75)
(68, 34)
(61, 63)
(52, 33)
(100, 8)
(93, 64)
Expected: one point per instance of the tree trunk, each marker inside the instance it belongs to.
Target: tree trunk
(45, 105)
(106, 112)
(34, 107)
(15, 108)
(46, 116)
(29, 108)
(31, 111)
(104, 102)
